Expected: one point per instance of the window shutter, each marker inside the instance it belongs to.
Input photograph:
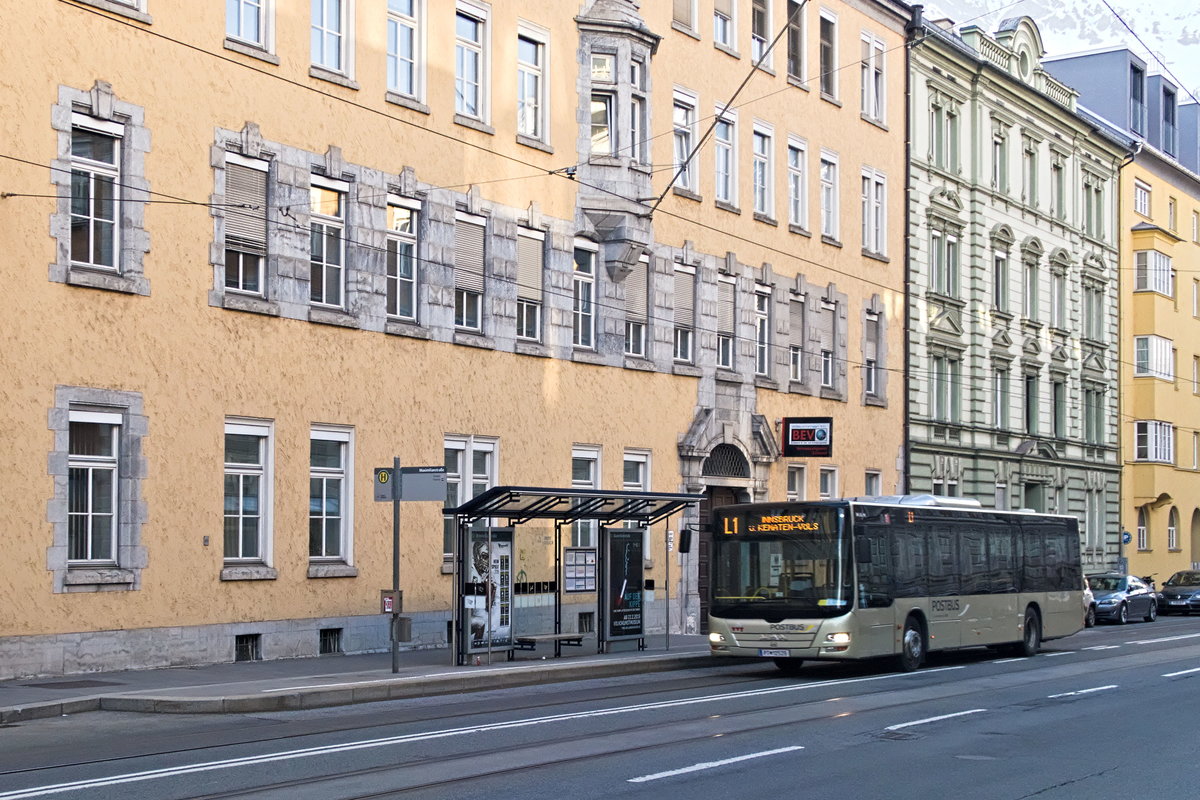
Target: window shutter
(685, 298)
(725, 312)
(468, 256)
(530, 259)
(636, 292)
(246, 209)
(683, 12)
(797, 323)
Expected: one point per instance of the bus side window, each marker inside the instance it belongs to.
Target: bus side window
(909, 561)
(973, 550)
(1002, 560)
(875, 574)
(1034, 579)
(943, 561)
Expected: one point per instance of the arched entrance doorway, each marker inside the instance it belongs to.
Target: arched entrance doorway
(727, 475)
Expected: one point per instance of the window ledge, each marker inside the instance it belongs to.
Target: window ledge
(473, 339)
(726, 49)
(725, 375)
(535, 349)
(767, 68)
(763, 382)
(123, 9)
(830, 240)
(685, 30)
(474, 124)
(332, 571)
(249, 572)
(536, 144)
(411, 103)
(638, 166)
(828, 98)
(830, 393)
(871, 254)
(78, 275)
(730, 207)
(98, 576)
(687, 194)
(332, 316)
(799, 229)
(332, 76)
(1001, 314)
(639, 363)
(794, 80)
(798, 387)
(582, 356)
(405, 328)
(874, 400)
(766, 219)
(252, 50)
(878, 123)
(686, 370)
(248, 303)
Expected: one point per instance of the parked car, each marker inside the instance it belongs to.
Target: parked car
(1121, 597)
(1089, 605)
(1181, 593)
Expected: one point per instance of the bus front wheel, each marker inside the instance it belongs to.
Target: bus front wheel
(912, 646)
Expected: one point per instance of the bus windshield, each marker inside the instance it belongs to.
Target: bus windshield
(776, 573)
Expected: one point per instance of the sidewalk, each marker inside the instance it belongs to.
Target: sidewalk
(334, 680)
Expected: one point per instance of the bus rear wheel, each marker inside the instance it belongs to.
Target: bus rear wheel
(1031, 638)
(912, 646)
(789, 666)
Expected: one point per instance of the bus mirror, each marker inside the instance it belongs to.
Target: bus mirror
(685, 540)
(862, 550)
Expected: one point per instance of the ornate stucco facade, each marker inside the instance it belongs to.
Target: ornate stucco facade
(1014, 281)
(258, 256)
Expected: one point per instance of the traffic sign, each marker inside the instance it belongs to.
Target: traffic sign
(384, 485)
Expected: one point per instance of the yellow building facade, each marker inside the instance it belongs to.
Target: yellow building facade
(1160, 384)
(262, 248)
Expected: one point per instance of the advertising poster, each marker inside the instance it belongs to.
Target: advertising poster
(624, 584)
(488, 590)
(807, 437)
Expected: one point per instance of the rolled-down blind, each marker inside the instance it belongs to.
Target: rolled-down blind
(635, 292)
(685, 298)
(797, 323)
(725, 307)
(529, 267)
(683, 12)
(723, 7)
(246, 208)
(871, 345)
(468, 256)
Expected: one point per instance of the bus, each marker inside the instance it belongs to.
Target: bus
(897, 576)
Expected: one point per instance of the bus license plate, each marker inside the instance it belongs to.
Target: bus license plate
(774, 653)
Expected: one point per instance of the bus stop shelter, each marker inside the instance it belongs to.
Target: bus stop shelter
(483, 561)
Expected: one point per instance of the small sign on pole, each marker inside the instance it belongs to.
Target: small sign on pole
(385, 486)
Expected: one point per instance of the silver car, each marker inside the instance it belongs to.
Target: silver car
(1181, 593)
(1120, 597)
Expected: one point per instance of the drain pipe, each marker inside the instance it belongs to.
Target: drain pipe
(913, 32)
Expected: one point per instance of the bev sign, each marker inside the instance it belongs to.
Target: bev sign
(807, 437)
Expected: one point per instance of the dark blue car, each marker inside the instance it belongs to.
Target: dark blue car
(1120, 598)
(1181, 593)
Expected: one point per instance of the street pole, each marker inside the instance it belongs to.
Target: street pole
(396, 609)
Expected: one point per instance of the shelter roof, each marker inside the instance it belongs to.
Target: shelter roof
(523, 503)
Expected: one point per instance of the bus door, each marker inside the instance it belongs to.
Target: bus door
(945, 600)
(875, 613)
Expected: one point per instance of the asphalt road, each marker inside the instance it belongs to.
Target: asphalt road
(1107, 713)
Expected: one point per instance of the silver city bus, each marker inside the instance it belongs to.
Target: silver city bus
(889, 576)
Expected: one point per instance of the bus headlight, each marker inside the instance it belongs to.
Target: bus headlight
(716, 638)
(837, 638)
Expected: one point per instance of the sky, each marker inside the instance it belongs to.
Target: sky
(1170, 29)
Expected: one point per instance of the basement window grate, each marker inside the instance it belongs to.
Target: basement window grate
(247, 647)
(331, 641)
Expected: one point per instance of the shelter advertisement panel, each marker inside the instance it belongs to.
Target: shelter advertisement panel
(579, 569)
(624, 582)
(488, 590)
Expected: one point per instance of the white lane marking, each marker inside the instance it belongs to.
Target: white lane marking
(933, 719)
(1082, 691)
(712, 764)
(1059, 653)
(288, 755)
(1166, 639)
(1008, 660)
(1104, 647)
(1181, 672)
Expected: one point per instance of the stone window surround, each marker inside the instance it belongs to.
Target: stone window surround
(131, 509)
(101, 103)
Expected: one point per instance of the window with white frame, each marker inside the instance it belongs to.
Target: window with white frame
(1154, 357)
(531, 84)
(531, 247)
(1093, 205)
(685, 321)
(1195, 449)
(1058, 188)
(945, 388)
(760, 30)
(1032, 402)
(585, 474)
(1143, 530)
(468, 271)
(872, 81)
(1093, 519)
(684, 137)
(874, 211)
(1000, 398)
(943, 127)
(1093, 414)
(1058, 298)
(471, 469)
(93, 478)
(683, 12)
(470, 60)
(725, 157)
(1196, 227)
(797, 478)
(405, 44)
(829, 195)
(871, 377)
(828, 369)
(604, 142)
(249, 22)
(1031, 289)
(1173, 529)
(797, 177)
(1000, 281)
(583, 292)
(1093, 311)
(827, 483)
(1195, 374)
(402, 218)
(796, 49)
(726, 320)
(245, 224)
(1000, 160)
(330, 495)
(636, 306)
(796, 337)
(724, 30)
(1172, 214)
(1029, 171)
(1141, 198)
(95, 196)
(1154, 440)
(829, 55)
(944, 269)
(762, 330)
(327, 264)
(331, 34)
(873, 483)
(247, 490)
(1153, 272)
(763, 171)
(1058, 407)
(637, 112)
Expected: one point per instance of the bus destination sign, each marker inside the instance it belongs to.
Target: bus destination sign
(769, 523)
(807, 437)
